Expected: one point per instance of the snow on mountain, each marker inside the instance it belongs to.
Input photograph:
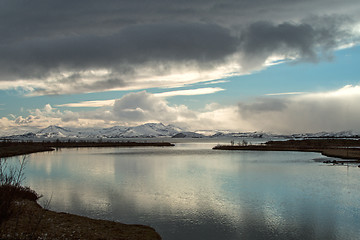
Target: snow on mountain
(152, 130)
(188, 135)
(147, 130)
(54, 132)
(113, 132)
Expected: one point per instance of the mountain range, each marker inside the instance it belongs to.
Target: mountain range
(148, 130)
(155, 130)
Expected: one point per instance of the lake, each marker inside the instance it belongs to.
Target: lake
(193, 192)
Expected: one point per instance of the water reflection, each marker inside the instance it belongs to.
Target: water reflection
(197, 193)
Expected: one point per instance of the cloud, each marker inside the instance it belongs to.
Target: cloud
(189, 92)
(308, 112)
(96, 103)
(313, 112)
(62, 47)
(95, 63)
(310, 40)
(140, 107)
(104, 103)
(132, 45)
(216, 82)
(132, 109)
(145, 107)
(69, 116)
(263, 105)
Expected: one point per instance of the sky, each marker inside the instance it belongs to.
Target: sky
(278, 66)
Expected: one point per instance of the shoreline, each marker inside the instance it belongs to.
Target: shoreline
(31, 221)
(348, 150)
(12, 149)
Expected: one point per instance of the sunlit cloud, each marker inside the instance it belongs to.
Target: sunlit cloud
(347, 91)
(216, 82)
(190, 92)
(97, 103)
(104, 103)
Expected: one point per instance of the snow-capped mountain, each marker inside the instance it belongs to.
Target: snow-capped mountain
(54, 132)
(188, 135)
(148, 130)
(154, 130)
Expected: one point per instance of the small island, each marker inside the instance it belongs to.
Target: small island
(348, 149)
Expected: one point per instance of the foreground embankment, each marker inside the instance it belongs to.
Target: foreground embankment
(30, 221)
(11, 148)
(340, 148)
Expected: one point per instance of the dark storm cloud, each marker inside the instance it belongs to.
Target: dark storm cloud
(74, 81)
(23, 19)
(133, 45)
(311, 40)
(140, 44)
(48, 40)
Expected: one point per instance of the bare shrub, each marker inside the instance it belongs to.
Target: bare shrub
(11, 178)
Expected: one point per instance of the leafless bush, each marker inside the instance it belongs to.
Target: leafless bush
(11, 178)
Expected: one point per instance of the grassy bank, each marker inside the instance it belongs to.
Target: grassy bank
(11, 148)
(340, 148)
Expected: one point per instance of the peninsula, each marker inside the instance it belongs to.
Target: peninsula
(348, 149)
(15, 148)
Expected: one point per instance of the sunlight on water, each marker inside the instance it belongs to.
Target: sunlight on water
(192, 192)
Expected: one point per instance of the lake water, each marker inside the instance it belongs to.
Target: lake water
(192, 192)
